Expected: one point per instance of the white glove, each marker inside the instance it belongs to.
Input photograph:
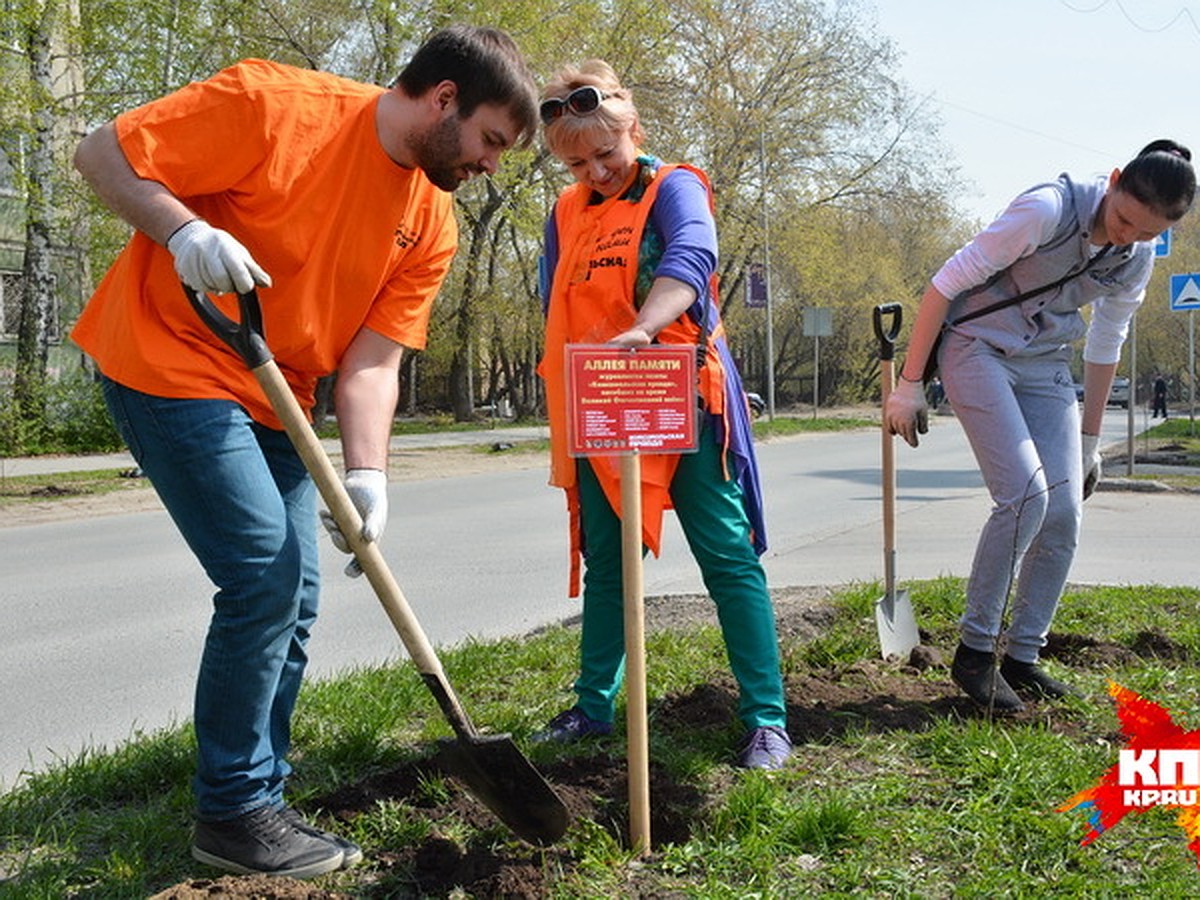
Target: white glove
(368, 491)
(1092, 471)
(906, 413)
(208, 259)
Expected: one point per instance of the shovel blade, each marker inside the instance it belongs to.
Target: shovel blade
(897, 624)
(505, 781)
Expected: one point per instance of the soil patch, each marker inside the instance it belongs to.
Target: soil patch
(246, 887)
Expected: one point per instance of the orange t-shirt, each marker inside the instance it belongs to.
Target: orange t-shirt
(288, 161)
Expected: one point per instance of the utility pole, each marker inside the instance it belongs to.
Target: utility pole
(762, 169)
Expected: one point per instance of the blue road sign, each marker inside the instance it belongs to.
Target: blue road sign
(1185, 291)
(1162, 244)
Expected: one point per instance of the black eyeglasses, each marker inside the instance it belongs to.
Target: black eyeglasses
(582, 101)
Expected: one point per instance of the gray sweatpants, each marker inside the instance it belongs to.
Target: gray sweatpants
(1022, 420)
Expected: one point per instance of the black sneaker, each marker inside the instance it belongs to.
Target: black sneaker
(261, 842)
(352, 854)
(975, 672)
(1029, 678)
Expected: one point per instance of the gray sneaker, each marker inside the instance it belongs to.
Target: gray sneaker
(262, 842)
(765, 747)
(352, 854)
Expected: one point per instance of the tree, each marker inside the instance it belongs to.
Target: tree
(40, 97)
(790, 105)
(793, 108)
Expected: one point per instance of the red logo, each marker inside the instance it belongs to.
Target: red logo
(1160, 766)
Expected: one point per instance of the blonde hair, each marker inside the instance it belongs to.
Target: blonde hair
(615, 115)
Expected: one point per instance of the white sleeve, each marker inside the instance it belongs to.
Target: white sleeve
(1110, 324)
(1027, 223)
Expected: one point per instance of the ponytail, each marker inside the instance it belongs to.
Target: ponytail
(1161, 177)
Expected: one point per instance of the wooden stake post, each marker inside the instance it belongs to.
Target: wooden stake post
(627, 403)
(636, 716)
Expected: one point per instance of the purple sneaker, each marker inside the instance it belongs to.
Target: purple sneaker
(766, 747)
(570, 726)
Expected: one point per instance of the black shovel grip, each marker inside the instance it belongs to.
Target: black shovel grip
(246, 336)
(887, 336)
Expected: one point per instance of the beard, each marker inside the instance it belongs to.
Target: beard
(438, 153)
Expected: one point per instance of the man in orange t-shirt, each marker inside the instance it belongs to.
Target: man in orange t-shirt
(333, 198)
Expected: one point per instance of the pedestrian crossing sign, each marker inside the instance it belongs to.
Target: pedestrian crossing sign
(1162, 244)
(1185, 291)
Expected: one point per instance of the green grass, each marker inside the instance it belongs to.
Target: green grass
(1178, 434)
(785, 426)
(960, 807)
(433, 424)
(42, 488)
(21, 489)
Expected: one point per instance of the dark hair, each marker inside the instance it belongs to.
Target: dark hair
(1162, 178)
(486, 66)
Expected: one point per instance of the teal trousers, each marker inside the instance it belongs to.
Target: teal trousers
(714, 522)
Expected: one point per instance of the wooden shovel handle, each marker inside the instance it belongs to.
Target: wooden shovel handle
(886, 320)
(344, 512)
(245, 337)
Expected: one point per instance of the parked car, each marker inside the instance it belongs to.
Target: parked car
(1119, 395)
(757, 405)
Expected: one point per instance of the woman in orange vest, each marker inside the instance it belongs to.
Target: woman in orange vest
(631, 252)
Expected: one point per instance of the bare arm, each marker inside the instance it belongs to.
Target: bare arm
(931, 314)
(1097, 382)
(146, 205)
(669, 298)
(366, 394)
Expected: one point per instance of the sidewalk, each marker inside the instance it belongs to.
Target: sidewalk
(11, 467)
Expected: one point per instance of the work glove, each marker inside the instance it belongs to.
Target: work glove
(1092, 471)
(906, 413)
(209, 259)
(368, 492)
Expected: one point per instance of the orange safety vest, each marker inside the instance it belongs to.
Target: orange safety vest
(592, 301)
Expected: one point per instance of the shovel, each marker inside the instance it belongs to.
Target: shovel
(894, 618)
(491, 766)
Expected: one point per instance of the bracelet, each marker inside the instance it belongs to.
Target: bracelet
(180, 228)
(904, 377)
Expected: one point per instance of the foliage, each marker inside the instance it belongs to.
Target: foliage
(75, 419)
(1162, 334)
(823, 162)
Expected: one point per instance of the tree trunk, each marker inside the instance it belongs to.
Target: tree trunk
(37, 300)
(460, 389)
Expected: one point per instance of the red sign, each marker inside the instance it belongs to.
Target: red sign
(622, 401)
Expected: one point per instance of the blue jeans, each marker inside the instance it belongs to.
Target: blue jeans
(1022, 420)
(244, 503)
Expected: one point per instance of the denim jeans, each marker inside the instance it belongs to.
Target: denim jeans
(717, 530)
(244, 503)
(1022, 420)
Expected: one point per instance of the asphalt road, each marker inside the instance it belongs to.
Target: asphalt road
(104, 618)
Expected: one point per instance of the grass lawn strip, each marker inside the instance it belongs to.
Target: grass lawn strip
(898, 788)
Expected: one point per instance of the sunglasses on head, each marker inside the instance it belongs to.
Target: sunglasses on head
(582, 101)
